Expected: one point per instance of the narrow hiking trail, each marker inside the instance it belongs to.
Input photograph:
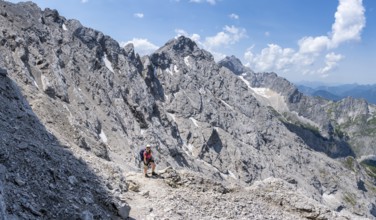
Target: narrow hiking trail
(186, 195)
(143, 192)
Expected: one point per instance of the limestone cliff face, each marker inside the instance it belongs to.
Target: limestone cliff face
(102, 103)
(343, 128)
(223, 125)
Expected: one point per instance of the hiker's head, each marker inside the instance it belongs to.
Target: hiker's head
(148, 147)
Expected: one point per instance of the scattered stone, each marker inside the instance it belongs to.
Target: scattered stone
(19, 181)
(145, 193)
(292, 181)
(123, 211)
(109, 186)
(87, 215)
(133, 186)
(88, 200)
(72, 180)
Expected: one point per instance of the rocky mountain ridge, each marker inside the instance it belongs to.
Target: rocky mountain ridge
(97, 103)
(345, 127)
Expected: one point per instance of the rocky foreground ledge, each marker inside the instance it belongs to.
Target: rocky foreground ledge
(186, 195)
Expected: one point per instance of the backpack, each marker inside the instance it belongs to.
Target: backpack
(142, 154)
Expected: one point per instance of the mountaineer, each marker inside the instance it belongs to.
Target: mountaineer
(147, 157)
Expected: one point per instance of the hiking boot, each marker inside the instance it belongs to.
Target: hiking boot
(147, 176)
(154, 174)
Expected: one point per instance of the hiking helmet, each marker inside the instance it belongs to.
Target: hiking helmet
(148, 146)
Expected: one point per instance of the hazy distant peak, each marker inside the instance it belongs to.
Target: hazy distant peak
(234, 64)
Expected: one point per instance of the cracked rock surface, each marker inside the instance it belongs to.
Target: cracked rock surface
(76, 108)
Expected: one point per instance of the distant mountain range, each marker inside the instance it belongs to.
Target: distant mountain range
(367, 92)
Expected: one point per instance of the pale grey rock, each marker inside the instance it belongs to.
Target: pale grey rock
(217, 115)
(19, 181)
(145, 193)
(87, 215)
(234, 64)
(335, 128)
(74, 85)
(72, 180)
(123, 211)
(133, 186)
(88, 200)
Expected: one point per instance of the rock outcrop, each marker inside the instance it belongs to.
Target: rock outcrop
(342, 128)
(78, 107)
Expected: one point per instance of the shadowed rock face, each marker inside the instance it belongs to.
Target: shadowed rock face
(39, 176)
(96, 101)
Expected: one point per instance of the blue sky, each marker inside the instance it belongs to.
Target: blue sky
(330, 41)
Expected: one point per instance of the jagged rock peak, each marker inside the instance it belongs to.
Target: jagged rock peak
(184, 46)
(129, 48)
(234, 64)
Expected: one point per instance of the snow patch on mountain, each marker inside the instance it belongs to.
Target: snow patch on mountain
(176, 69)
(35, 83)
(172, 116)
(108, 63)
(103, 136)
(372, 109)
(170, 71)
(264, 92)
(188, 149)
(268, 97)
(186, 61)
(194, 121)
(226, 104)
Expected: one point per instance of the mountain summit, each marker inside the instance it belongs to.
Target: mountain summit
(234, 64)
(77, 107)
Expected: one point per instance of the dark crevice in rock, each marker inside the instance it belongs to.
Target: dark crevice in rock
(140, 118)
(334, 148)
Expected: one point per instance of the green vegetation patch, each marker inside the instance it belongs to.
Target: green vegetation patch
(350, 198)
(370, 169)
(372, 121)
(371, 187)
(349, 163)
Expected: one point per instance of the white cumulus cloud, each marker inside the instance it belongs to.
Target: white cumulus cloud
(142, 46)
(348, 24)
(212, 2)
(138, 15)
(194, 37)
(331, 62)
(313, 44)
(272, 57)
(234, 16)
(229, 35)
(349, 21)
